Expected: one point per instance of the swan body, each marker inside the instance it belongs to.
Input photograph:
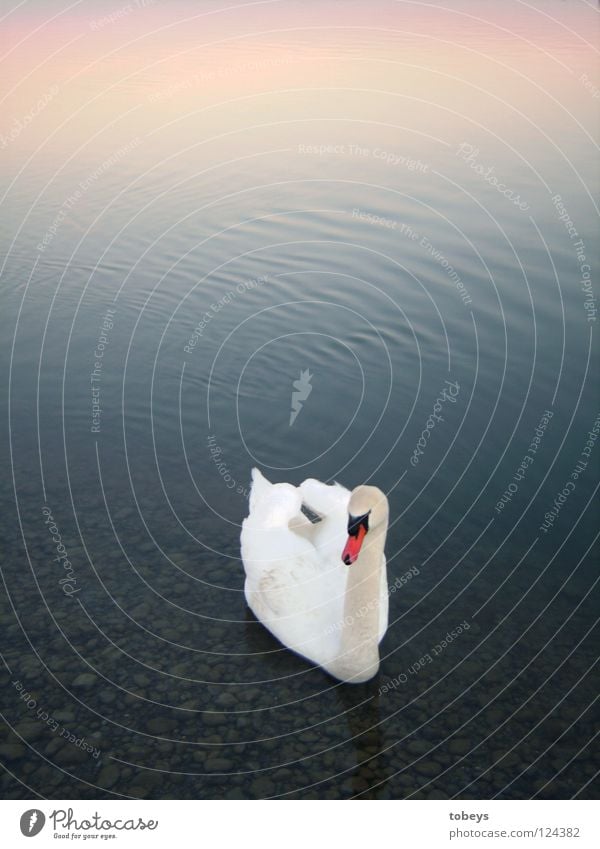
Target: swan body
(330, 611)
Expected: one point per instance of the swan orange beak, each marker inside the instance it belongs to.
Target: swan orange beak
(353, 546)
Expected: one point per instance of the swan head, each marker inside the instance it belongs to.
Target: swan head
(367, 510)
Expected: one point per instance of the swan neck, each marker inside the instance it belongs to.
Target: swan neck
(359, 649)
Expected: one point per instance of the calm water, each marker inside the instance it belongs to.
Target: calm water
(201, 203)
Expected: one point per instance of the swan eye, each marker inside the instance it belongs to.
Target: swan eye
(355, 522)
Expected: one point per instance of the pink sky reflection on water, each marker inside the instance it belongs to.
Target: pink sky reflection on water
(98, 70)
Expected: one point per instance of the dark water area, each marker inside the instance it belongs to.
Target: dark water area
(199, 205)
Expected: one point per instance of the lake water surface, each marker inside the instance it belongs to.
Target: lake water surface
(392, 202)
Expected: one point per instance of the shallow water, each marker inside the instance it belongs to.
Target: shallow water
(199, 205)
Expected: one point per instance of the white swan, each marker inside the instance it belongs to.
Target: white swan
(327, 602)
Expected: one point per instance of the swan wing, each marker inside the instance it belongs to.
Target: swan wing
(330, 502)
(324, 498)
(290, 590)
(292, 586)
